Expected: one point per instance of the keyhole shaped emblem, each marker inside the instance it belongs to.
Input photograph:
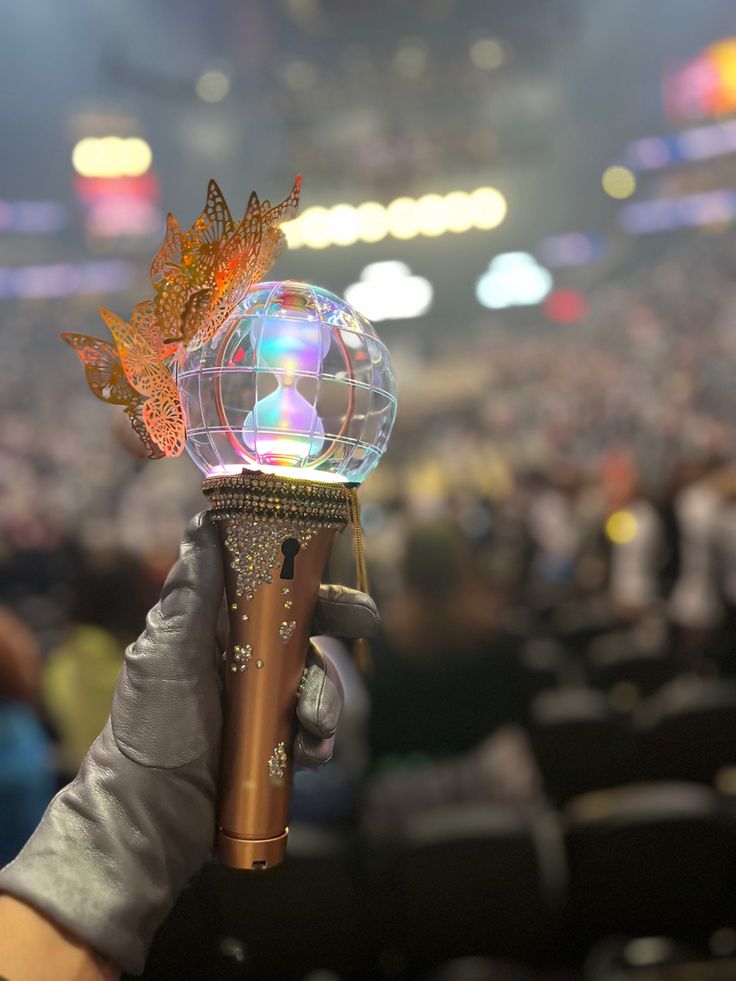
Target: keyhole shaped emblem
(289, 550)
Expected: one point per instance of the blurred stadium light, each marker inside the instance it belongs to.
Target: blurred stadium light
(32, 217)
(572, 249)
(513, 279)
(708, 208)
(65, 279)
(388, 291)
(111, 156)
(403, 218)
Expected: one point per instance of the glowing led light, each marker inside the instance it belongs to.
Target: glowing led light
(111, 156)
(373, 221)
(277, 390)
(284, 427)
(489, 207)
(621, 527)
(212, 86)
(402, 216)
(487, 53)
(388, 291)
(513, 279)
(618, 182)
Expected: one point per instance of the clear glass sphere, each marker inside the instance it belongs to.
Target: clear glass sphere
(295, 382)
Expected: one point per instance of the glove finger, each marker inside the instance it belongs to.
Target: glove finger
(312, 751)
(320, 701)
(345, 612)
(166, 708)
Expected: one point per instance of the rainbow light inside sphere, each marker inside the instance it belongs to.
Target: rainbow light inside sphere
(296, 382)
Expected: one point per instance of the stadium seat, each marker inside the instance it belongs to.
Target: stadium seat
(313, 912)
(650, 859)
(478, 879)
(579, 742)
(616, 658)
(688, 730)
(544, 664)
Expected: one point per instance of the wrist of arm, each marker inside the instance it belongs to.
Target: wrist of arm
(34, 948)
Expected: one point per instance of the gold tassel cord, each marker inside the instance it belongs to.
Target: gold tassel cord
(361, 647)
(358, 546)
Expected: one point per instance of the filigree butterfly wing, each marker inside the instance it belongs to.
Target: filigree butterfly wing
(106, 379)
(214, 223)
(153, 450)
(274, 240)
(162, 413)
(169, 255)
(203, 240)
(170, 282)
(144, 322)
(207, 310)
(102, 368)
(138, 358)
(164, 421)
(236, 257)
(286, 209)
(273, 244)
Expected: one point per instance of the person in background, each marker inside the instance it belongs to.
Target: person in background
(26, 760)
(702, 605)
(446, 693)
(79, 675)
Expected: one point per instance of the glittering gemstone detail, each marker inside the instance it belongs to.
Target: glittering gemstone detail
(254, 548)
(259, 663)
(233, 606)
(285, 590)
(286, 629)
(288, 604)
(242, 655)
(262, 511)
(277, 762)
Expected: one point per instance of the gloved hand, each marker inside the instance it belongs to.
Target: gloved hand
(115, 847)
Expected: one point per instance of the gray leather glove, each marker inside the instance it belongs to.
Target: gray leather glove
(115, 847)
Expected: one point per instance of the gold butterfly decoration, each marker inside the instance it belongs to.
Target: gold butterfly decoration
(199, 276)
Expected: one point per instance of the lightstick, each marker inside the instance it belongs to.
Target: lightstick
(284, 397)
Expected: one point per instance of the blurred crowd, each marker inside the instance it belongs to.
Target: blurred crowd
(551, 538)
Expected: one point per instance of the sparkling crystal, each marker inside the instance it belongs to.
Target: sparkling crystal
(286, 629)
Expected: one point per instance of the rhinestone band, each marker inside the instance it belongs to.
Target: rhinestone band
(265, 496)
(262, 511)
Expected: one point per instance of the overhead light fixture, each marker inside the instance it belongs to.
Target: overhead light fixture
(111, 156)
(403, 218)
(388, 291)
(513, 279)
